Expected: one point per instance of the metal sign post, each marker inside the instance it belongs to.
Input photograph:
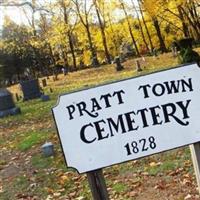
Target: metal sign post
(97, 184)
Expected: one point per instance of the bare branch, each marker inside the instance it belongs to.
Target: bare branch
(14, 4)
(26, 3)
(25, 13)
(171, 23)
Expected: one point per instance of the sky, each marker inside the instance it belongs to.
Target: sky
(17, 15)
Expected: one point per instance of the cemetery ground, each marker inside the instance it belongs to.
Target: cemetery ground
(26, 174)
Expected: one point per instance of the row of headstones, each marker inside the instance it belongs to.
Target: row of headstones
(183, 43)
(30, 90)
(120, 67)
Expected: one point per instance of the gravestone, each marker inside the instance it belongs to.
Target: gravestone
(55, 77)
(122, 58)
(45, 97)
(95, 62)
(48, 149)
(30, 89)
(126, 50)
(17, 97)
(119, 66)
(138, 67)
(64, 71)
(44, 82)
(155, 53)
(81, 64)
(7, 105)
(174, 52)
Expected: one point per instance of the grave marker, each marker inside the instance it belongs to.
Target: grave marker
(119, 66)
(30, 89)
(7, 105)
(44, 82)
(138, 67)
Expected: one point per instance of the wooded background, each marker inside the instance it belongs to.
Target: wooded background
(76, 34)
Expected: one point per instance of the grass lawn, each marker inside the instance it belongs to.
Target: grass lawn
(26, 174)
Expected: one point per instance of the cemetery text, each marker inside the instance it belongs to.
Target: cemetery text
(133, 118)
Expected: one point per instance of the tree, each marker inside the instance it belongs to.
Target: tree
(176, 13)
(33, 7)
(145, 26)
(99, 7)
(129, 27)
(140, 25)
(83, 11)
(15, 49)
(188, 11)
(45, 28)
(66, 7)
(152, 7)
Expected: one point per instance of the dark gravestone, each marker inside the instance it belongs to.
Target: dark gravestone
(55, 77)
(138, 67)
(7, 105)
(48, 149)
(17, 97)
(45, 97)
(30, 89)
(155, 52)
(95, 62)
(44, 82)
(119, 66)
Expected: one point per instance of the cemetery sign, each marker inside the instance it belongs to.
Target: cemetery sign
(129, 119)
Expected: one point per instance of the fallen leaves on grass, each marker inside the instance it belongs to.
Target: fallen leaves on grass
(161, 185)
(155, 164)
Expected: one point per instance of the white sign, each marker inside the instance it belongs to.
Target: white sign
(129, 119)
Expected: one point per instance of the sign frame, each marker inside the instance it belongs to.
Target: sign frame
(109, 83)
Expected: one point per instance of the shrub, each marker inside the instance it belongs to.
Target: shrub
(188, 55)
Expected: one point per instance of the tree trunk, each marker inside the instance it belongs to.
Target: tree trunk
(65, 59)
(69, 34)
(191, 23)
(185, 28)
(103, 35)
(146, 28)
(159, 35)
(113, 32)
(134, 42)
(140, 26)
(86, 24)
(71, 45)
(92, 50)
(51, 53)
(194, 18)
(130, 30)
(196, 13)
